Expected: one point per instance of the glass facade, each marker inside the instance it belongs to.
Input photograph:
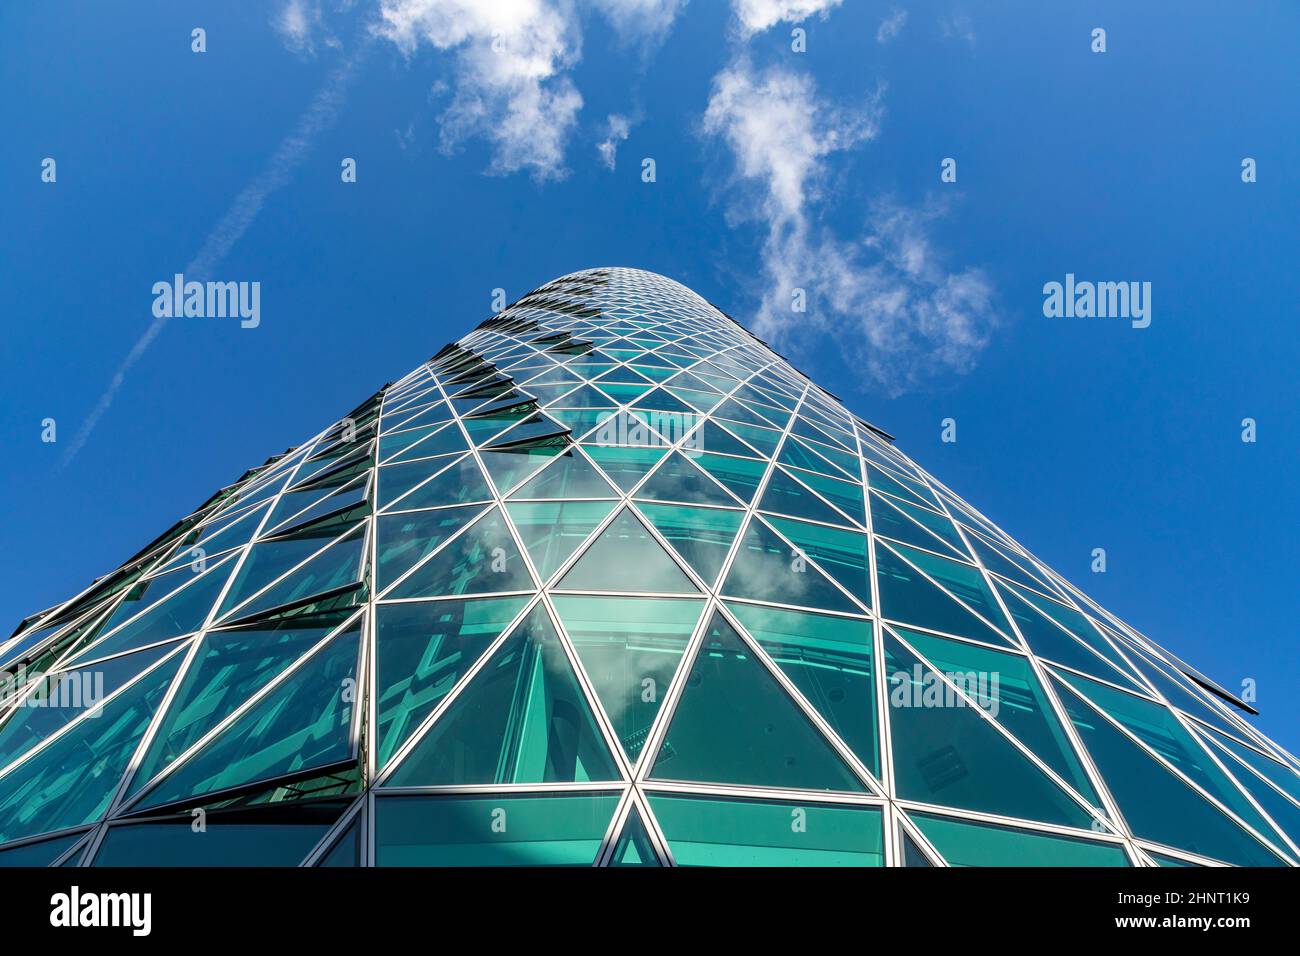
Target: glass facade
(610, 582)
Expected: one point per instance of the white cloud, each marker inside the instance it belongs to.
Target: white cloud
(296, 22)
(640, 20)
(891, 307)
(617, 127)
(891, 26)
(755, 16)
(511, 85)
(958, 26)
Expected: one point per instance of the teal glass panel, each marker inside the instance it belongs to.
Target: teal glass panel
(568, 476)
(839, 552)
(494, 830)
(948, 754)
(552, 530)
(965, 843)
(58, 699)
(907, 596)
(228, 669)
(460, 484)
(768, 740)
(422, 650)
(630, 649)
(678, 480)
(712, 437)
(829, 659)
(337, 566)
(235, 844)
(741, 475)
(625, 465)
(999, 562)
(912, 854)
(303, 723)
(424, 442)
(396, 479)
(767, 569)
(1013, 696)
(72, 780)
(633, 847)
(521, 719)
(346, 850)
(844, 495)
(715, 832)
(786, 496)
(407, 537)
(483, 559)
(891, 522)
(1162, 860)
(1075, 623)
(508, 467)
(1157, 727)
(1281, 776)
(625, 557)
(702, 536)
(43, 853)
(1156, 804)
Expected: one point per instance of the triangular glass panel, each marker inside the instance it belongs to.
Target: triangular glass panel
(678, 480)
(521, 719)
(407, 537)
(552, 530)
(335, 567)
(302, 724)
(767, 569)
(633, 847)
(907, 596)
(768, 740)
(630, 649)
(483, 559)
(785, 496)
(626, 557)
(625, 464)
(458, 484)
(967, 843)
(912, 854)
(702, 536)
(841, 553)
(422, 650)
(570, 475)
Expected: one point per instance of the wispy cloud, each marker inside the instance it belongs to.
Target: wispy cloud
(755, 16)
(295, 21)
(958, 26)
(288, 156)
(640, 21)
(617, 128)
(891, 26)
(893, 309)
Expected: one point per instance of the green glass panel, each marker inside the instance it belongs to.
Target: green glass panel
(483, 559)
(72, 780)
(625, 557)
(552, 530)
(463, 482)
(521, 719)
(786, 496)
(625, 464)
(714, 832)
(1162, 860)
(234, 844)
(630, 649)
(1156, 804)
(326, 502)
(183, 612)
(303, 723)
(407, 537)
(422, 651)
(768, 740)
(912, 854)
(941, 526)
(767, 569)
(495, 830)
(633, 847)
(584, 397)
(999, 563)
(1281, 810)
(1283, 777)
(965, 843)
(568, 476)
(623, 394)
(945, 753)
(702, 536)
(841, 553)
(395, 480)
(711, 437)
(58, 699)
(338, 565)
(1157, 727)
(1074, 622)
(678, 480)
(1017, 700)
(346, 850)
(846, 496)
(883, 481)
(228, 669)
(764, 439)
(1179, 694)
(485, 428)
(829, 660)
(741, 475)
(580, 421)
(907, 596)
(43, 853)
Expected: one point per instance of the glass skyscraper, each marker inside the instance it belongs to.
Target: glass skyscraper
(610, 582)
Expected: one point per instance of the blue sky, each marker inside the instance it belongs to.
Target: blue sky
(480, 169)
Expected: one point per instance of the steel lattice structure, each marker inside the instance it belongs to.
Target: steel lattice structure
(609, 582)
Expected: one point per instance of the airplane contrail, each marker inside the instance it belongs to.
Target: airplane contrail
(319, 115)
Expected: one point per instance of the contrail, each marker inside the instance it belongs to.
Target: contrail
(319, 116)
